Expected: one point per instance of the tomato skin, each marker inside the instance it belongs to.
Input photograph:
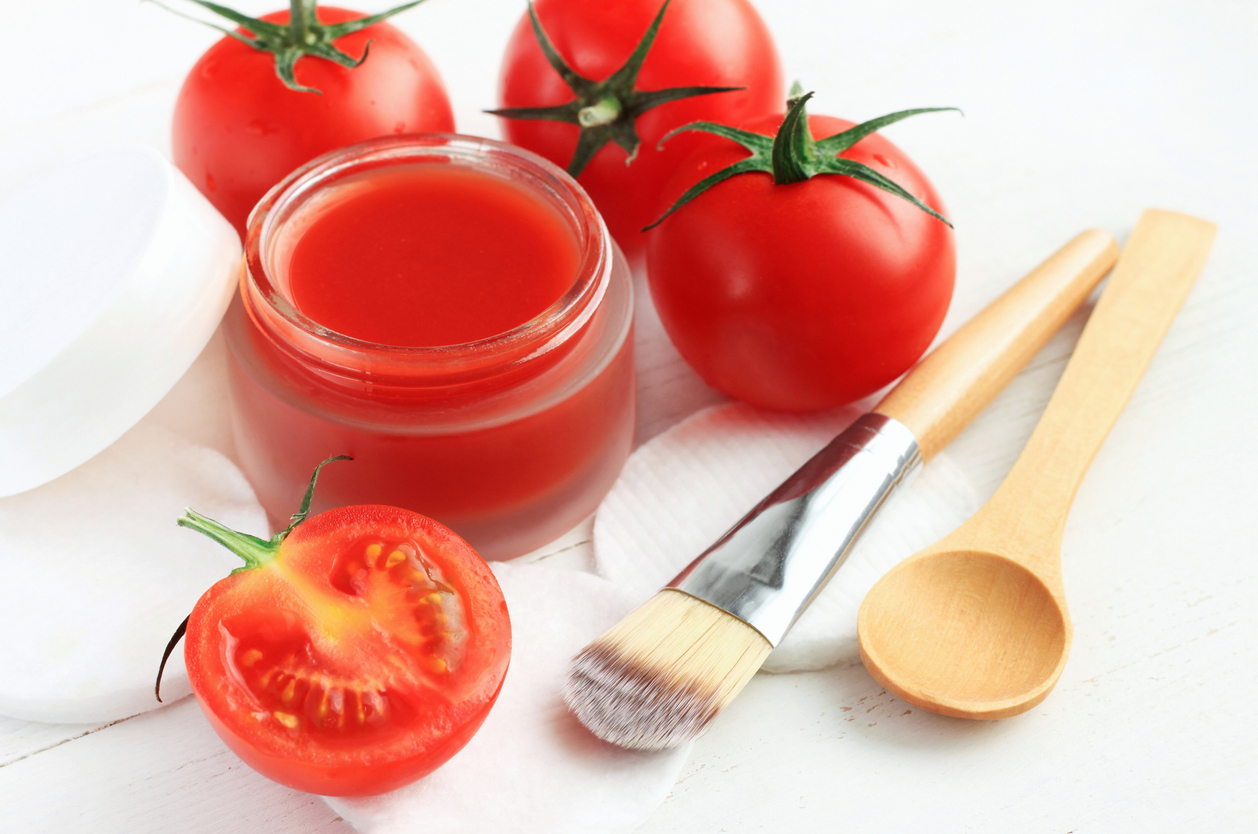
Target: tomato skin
(238, 130)
(348, 780)
(721, 43)
(804, 296)
(298, 586)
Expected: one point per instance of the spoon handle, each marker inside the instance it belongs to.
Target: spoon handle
(958, 379)
(1157, 268)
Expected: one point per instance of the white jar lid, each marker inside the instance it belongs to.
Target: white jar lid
(116, 273)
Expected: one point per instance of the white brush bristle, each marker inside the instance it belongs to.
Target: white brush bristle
(662, 673)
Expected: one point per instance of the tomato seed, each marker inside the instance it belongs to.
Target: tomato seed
(287, 719)
(359, 713)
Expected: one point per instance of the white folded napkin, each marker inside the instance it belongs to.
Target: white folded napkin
(532, 769)
(679, 492)
(96, 574)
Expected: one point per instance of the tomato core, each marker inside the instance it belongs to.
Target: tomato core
(349, 688)
(428, 255)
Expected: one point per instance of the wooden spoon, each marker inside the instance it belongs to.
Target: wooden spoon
(976, 625)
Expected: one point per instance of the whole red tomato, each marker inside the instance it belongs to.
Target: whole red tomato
(356, 652)
(238, 130)
(710, 43)
(806, 295)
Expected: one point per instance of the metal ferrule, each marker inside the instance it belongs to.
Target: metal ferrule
(769, 566)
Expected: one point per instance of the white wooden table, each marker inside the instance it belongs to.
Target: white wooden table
(1078, 114)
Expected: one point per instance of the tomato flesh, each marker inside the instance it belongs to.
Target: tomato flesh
(359, 660)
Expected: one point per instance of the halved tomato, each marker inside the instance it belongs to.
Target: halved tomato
(354, 653)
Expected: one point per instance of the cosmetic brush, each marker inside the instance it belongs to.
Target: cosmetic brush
(658, 677)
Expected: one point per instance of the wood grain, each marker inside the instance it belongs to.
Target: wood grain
(1160, 262)
(946, 390)
(976, 625)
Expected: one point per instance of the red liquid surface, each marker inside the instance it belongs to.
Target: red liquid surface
(429, 255)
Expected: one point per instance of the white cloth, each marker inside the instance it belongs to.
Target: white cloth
(97, 575)
(532, 769)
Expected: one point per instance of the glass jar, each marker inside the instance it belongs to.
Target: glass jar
(510, 440)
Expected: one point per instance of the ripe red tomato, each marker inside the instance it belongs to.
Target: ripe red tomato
(718, 43)
(238, 130)
(352, 657)
(801, 296)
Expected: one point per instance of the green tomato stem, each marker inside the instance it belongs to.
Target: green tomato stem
(607, 110)
(302, 36)
(603, 112)
(257, 553)
(301, 13)
(793, 156)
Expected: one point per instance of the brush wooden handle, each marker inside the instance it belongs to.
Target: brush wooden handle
(1162, 258)
(946, 390)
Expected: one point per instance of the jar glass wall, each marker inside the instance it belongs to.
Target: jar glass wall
(510, 440)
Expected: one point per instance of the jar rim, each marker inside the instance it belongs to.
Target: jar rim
(342, 355)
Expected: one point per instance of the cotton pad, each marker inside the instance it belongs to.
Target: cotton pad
(682, 490)
(97, 574)
(532, 768)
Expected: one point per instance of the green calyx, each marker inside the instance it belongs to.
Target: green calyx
(256, 552)
(289, 42)
(605, 111)
(794, 156)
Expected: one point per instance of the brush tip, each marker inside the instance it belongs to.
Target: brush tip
(626, 704)
(660, 676)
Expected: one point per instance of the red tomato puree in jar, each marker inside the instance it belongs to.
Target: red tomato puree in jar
(431, 255)
(451, 313)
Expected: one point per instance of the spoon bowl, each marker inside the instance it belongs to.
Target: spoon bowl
(965, 633)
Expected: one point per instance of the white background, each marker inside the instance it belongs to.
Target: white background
(1077, 114)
